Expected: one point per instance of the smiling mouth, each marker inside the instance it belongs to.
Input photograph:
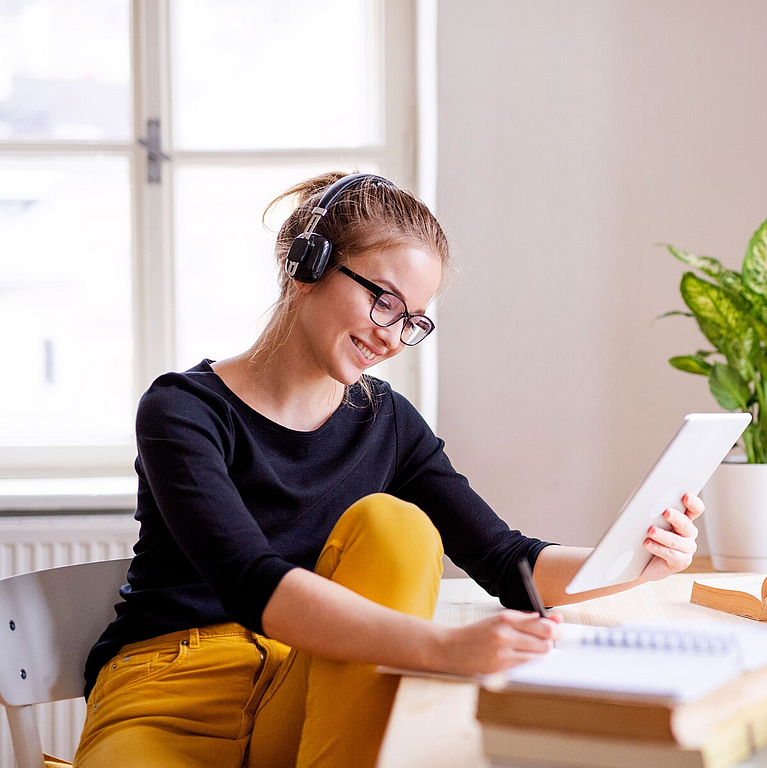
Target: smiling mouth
(367, 353)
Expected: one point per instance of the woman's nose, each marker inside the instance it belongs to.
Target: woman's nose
(390, 335)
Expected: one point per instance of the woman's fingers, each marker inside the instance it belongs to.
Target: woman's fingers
(517, 632)
(681, 523)
(501, 641)
(674, 559)
(533, 623)
(672, 540)
(677, 546)
(694, 506)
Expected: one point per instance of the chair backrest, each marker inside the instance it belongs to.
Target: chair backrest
(49, 620)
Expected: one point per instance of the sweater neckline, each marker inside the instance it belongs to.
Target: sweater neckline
(207, 366)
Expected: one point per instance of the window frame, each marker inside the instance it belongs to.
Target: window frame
(152, 219)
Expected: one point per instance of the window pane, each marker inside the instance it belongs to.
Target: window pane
(226, 271)
(65, 70)
(251, 74)
(65, 300)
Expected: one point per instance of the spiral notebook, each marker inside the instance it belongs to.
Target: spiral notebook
(671, 662)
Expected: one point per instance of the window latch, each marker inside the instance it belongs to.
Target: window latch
(153, 144)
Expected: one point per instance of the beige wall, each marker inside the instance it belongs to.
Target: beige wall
(572, 137)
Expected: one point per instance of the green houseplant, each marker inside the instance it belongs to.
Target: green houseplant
(731, 311)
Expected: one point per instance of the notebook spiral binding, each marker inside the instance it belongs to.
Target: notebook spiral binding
(661, 640)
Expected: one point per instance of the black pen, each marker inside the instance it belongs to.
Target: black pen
(569, 634)
(532, 590)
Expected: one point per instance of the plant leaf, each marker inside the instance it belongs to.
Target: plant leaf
(710, 266)
(675, 312)
(749, 437)
(691, 364)
(723, 318)
(732, 281)
(755, 262)
(728, 387)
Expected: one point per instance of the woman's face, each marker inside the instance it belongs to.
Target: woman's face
(338, 334)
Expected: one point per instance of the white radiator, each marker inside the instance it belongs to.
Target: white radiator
(34, 543)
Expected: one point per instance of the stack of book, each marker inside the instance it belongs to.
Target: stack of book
(693, 699)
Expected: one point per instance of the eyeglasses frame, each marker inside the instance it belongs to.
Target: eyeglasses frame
(377, 291)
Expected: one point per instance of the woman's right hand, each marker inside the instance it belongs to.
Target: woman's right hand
(498, 642)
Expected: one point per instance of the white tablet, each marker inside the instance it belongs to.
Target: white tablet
(690, 459)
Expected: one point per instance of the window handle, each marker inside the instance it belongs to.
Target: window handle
(153, 144)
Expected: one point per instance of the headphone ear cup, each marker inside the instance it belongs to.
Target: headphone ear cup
(308, 257)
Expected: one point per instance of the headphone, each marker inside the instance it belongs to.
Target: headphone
(309, 253)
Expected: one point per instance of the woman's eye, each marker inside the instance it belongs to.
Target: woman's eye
(384, 302)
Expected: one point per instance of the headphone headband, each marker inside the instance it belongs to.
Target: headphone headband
(309, 253)
(337, 188)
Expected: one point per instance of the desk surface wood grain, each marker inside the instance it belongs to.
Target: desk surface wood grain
(432, 724)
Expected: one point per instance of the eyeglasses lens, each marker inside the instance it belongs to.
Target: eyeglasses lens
(388, 309)
(416, 329)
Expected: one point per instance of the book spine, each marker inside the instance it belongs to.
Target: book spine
(565, 749)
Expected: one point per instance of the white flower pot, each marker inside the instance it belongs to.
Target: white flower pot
(735, 519)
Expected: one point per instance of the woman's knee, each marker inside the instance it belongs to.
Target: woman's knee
(393, 523)
(387, 550)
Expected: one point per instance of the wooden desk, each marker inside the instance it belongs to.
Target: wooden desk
(432, 724)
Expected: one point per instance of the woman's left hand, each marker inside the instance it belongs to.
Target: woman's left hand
(673, 549)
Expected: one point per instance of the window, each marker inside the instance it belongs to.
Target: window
(139, 145)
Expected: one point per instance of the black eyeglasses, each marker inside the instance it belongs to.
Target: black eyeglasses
(388, 309)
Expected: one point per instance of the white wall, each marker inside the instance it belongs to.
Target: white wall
(572, 137)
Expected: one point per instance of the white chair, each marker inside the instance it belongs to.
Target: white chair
(49, 621)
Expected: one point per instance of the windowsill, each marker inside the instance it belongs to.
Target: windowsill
(70, 494)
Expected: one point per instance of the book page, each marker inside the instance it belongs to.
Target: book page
(751, 585)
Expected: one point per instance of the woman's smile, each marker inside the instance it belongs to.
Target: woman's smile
(365, 351)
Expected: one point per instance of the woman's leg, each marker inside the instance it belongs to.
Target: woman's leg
(184, 700)
(328, 713)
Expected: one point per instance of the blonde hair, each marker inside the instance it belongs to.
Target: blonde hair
(373, 214)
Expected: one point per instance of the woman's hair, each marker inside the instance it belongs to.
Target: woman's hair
(370, 215)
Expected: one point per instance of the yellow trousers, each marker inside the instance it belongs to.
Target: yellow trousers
(226, 697)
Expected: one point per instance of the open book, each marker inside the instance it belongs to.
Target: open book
(742, 595)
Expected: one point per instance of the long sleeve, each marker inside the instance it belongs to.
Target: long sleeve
(185, 444)
(475, 538)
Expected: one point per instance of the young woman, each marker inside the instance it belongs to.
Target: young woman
(293, 515)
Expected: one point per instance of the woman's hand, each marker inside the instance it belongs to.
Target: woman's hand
(673, 549)
(496, 643)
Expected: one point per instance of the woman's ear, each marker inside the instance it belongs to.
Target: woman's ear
(303, 288)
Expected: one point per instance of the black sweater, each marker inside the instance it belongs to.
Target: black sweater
(229, 502)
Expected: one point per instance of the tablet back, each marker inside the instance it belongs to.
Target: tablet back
(690, 459)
